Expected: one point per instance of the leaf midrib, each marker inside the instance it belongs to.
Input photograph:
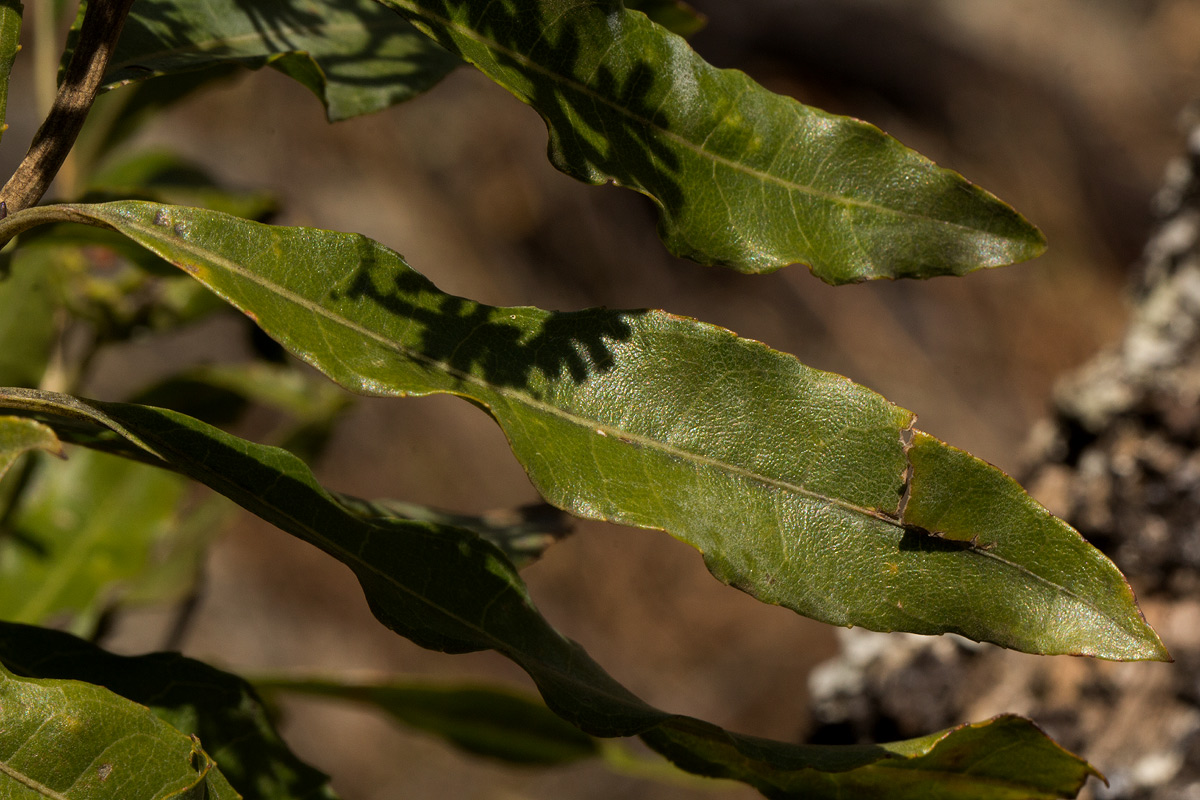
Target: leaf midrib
(765, 177)
(31, 783)
(153, 233)
(202, 255)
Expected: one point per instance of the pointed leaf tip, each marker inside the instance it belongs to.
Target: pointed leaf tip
(788, 479)
(742, 176)
(974, 520)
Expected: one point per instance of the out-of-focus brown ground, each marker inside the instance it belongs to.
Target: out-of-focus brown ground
(1065, 108)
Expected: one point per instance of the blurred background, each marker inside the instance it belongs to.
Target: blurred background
(1068, 109)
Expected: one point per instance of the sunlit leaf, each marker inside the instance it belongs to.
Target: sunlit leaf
(356, 56)
(741, 176)
(65, 739)
(790, 481)
(221, 710)
(448, 589)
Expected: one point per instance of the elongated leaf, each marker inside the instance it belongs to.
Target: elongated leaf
(82, 530)
(448, 589)
(355, 56)
(741, 176)
(10, 43)
(65, 739)
(19, 436)
(482, 720)
(789, 480)
(218, 708)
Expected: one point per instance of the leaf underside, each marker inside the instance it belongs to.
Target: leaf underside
(741, 176)
(789, 480)
(448, 589)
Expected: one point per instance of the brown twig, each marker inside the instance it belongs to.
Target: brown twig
(97, 38)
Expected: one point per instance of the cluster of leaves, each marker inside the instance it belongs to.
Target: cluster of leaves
(798, 486)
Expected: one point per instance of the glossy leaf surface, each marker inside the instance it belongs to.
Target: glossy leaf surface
(356, 56)
(82, 530)
(741, 176)
(789, 480)
(220, 709)
(66, 739)
(447, 589)
(482, 720)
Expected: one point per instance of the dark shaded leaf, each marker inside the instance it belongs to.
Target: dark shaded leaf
(66, 739)
(355, 56)
(482, 720)
(449, 590)
(522, 534)
(220, 710)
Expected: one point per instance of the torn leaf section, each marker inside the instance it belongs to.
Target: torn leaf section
(1067, 586)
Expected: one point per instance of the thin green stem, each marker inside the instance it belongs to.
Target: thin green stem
(30, 218)
(98, 36)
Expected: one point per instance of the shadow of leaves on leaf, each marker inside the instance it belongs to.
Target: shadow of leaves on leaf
(604, 127)
(172, 38)
(504, 347)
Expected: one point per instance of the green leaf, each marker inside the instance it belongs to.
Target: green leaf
(221, 710)
(448, 589)
(741, 176)
(28, 329)
(789, 480)
(116, 116)
(486, 721)
(355, 56)
(65, 739)
(19, 436)
(522, 534)
(165, 177)
(82, 530)
(10, 43)
(674, 15)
